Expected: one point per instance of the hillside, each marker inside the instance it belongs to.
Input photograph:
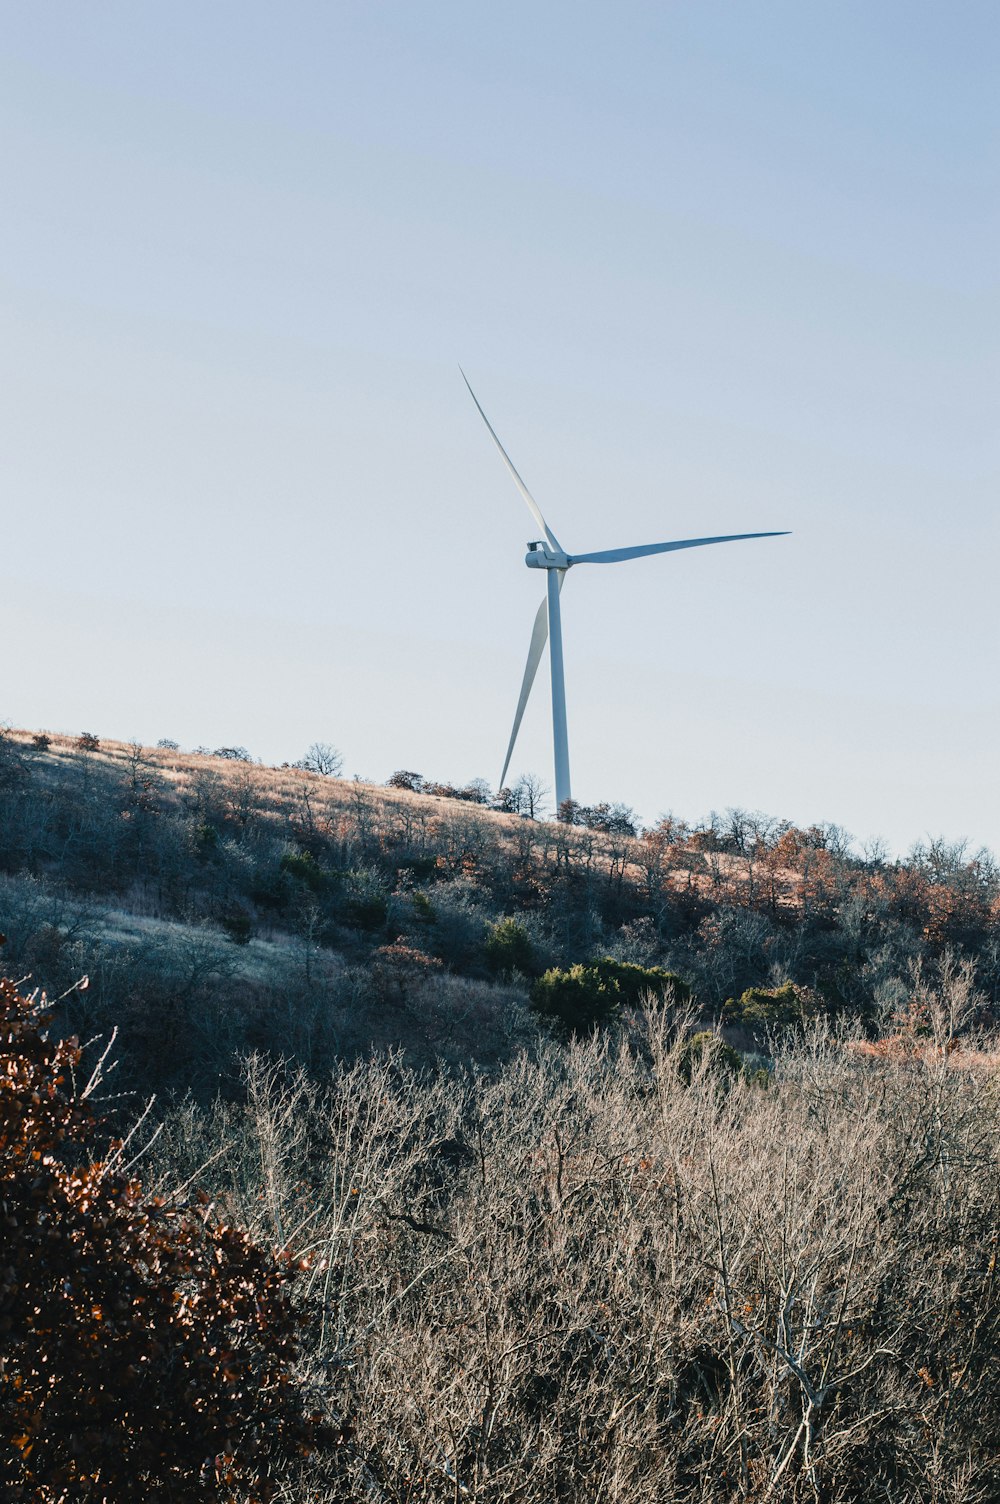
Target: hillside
(217, 905)
(493, 1159)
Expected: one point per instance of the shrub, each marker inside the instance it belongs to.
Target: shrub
(402, 779)
(13, 766)
(147, 1348)
(41, 741)
(577, 1001)
(509, 948)
(637, 985)
(167, 744)
(398, 968)
(423, 909)
(87, 742)
(233, 754)
(762, 1008)
(582, 999)
(420, 867)
(367, 906)
(304, 867)
(205, 838)
(609, 819)
(237, 924)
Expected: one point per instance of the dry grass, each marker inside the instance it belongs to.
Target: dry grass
(339, 805)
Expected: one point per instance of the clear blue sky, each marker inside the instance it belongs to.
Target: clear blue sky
(710, 268)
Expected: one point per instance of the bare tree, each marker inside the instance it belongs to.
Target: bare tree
(531, 794)
(323, 759)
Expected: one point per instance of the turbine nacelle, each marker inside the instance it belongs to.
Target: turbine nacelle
(540, 557)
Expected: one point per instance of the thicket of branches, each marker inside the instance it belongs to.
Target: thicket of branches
(604, 1275)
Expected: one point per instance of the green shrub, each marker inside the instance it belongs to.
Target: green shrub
(423, 908)
(582, 999)
(576, 1001)
(508, 948)
(206, 839)
(367, 905)
(367, 913)
(303, 866)
(637, 985)
(762, 1008)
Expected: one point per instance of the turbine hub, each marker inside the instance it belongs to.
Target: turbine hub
(541, 557)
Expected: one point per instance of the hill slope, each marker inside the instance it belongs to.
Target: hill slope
(217, 905)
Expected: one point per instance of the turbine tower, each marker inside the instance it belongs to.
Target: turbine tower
(549, 554)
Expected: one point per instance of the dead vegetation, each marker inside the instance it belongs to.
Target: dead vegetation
(585, 1279)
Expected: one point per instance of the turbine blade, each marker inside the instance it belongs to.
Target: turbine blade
(617, 555)
(533, 506)
(539, 637)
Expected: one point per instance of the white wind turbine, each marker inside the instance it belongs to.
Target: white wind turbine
(551, 556)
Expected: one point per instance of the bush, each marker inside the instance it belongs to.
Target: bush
(237, 924)
(87, 742)
(609, 819)
(649, 1275)
(584, 998)
(638, 985)
(476, 792)
(509, 948)
(304, 867)
(397, 969)
(367, 906)
(205, 839)
(577, 1001)
(147, 1348)
(41, 741)
(405, 780)
(762, 1008)
(423, 909)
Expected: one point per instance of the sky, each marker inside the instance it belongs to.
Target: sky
(710, 267)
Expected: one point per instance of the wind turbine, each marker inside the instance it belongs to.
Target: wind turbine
(552, 557)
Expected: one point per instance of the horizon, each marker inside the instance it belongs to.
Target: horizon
(872, 848)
